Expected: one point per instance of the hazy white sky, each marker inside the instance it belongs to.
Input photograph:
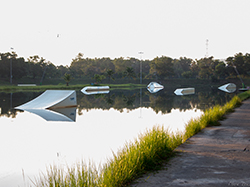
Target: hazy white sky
(122, 28)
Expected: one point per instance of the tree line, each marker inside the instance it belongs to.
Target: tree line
(37, 68)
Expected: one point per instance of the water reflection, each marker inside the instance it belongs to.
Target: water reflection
(163, 101)
(58, 114)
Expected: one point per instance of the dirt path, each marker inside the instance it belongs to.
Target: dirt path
(217, 156)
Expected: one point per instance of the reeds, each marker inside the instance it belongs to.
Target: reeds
(77, 175)
(210, 117)
(146, 153)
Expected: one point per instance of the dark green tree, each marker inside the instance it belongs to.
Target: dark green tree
(110, 74)
(67, 78)
(129, 73)
(98, 78)
(220, 70)
(181, 65)
(163, 66)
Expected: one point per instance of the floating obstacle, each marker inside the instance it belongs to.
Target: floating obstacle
(230, 88)
(26, 84)
(52, 99)
(184, 91)
(88, 90)
(154, 87)
(53, 105)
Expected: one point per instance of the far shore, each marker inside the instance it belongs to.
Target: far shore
(119, 84)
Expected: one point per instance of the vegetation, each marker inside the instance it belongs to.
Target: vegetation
(37, 69)
(67, 78)
(210, 117)
(110, 74)
(98, 78)
(146, 153)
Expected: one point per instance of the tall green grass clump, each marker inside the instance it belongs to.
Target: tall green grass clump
(211, 117)
(78, 175)
(145, 154)
(244, 95)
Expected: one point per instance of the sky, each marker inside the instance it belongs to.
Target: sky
(58, 30)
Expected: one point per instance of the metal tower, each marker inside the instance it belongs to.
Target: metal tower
(206, 48)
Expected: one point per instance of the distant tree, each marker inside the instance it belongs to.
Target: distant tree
(110, 74)
(67, 78)
(240, 63)
(36, 66)
(19, 66)
(187, 74)
(79, 57)
(181, 65)
(52, 71)
(120, 65)
(62, 70)
(98, 78)
(247, 63)
(207, 67)
(220, 70)
(163, 66)
(129, 73)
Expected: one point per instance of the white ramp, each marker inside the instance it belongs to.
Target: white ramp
(89, 90)
(154, 87)
(230, 88)
(52, 99)
(184, 91)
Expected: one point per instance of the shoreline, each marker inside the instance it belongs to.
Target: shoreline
(216, 156)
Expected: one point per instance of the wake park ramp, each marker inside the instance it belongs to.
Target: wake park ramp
(154, 87)
(229, 88)
(52, 99)
(89, 90)
(184, 91)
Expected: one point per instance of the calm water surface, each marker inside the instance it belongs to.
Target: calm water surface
(102, 124)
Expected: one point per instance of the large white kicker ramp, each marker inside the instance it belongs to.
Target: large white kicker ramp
(51, 99)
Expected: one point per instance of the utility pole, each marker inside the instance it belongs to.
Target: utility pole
(141, 53)
(11, 67)
(206, 48)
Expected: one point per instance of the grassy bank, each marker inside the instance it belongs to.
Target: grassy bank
(146, 153)
(64, 87)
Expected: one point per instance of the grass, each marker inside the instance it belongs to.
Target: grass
(145, 153)
(38, 88)
(64, 87)
(210, 117)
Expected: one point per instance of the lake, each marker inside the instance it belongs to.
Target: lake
(100, 124)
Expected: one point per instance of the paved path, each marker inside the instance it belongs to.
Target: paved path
(217, 156)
